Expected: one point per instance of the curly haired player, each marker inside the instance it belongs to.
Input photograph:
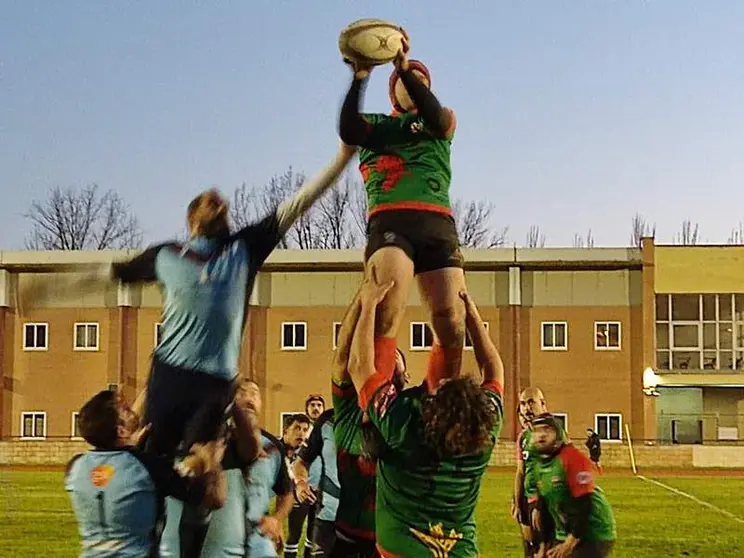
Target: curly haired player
(437, 443)
(405, 162)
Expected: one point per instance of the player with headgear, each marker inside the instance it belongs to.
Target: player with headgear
(405, 163)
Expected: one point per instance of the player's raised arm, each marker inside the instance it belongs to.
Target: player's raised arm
(340, 366)
(488, 357)
(362, 358)
(262, 237)
(437, 118)
(353, 129)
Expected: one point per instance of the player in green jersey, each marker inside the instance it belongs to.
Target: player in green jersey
(405, 162)
(563, 478)
(355, 518)
(437, 444)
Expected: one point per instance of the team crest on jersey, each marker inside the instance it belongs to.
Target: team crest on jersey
(439, 543)
(384, 398)
(417, 127)
(102, 475)
(584, 478)
(557, 481)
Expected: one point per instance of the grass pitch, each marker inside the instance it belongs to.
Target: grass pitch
(36, 519)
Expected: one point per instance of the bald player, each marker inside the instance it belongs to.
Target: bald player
(531, 405)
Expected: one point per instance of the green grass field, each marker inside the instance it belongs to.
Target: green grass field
(36, 519)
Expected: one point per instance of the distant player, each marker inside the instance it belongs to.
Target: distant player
(531, 404)
(244, 526)
(118, 493)
(563, 479)
(354, 434)
(320, 448)
(295, 435)
(594, 445)
(307, 494)
(437, 443)
(405, 163)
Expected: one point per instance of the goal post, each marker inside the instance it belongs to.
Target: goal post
(630, 449)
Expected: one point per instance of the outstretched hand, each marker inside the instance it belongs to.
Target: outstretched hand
(361, 70)
(401, 60)
(373, 292)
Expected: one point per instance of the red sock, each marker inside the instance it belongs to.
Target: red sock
(435, 367)
(385, 349)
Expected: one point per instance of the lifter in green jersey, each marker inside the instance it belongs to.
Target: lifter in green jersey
(563, 478)
(437, 442)
(405, 163)
(355, 518)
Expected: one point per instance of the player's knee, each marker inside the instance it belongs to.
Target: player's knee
(449, 325)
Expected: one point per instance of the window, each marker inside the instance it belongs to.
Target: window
(33, 425)
(158, 333)
(75, 426)
(607, 336)
(86, 337)
(469, 341)
(336, 330)
(35, 337)
(609, 427)
(554, 336)
(699, 331)
(294, 336)
(422, 338)
(562, 419)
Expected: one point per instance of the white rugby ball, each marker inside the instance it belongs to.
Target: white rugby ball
(371, 41)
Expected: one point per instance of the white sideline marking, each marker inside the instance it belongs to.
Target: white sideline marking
(694, 499)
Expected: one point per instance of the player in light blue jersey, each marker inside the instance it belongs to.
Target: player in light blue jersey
(243, 526)
(321, 446)
(117, 492)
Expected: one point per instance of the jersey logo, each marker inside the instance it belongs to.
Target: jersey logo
(417, 127)
(102, 475)
(583, 478)
(439, 544)
(393, 168)
(384, 398)
(525, 455)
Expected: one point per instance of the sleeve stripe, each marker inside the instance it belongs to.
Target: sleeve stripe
(371, 387)
(494, 387)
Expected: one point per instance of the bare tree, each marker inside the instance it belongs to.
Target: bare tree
(737, 234)
(358, 206)
(688, 234)
(584, 241)
(82, 219)
(535, 238)
(640, 229)
(244, 206)
(474, 225)
(336, 222)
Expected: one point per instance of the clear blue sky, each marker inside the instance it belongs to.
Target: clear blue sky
(569, 112)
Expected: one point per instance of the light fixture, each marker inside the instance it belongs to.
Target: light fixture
(650, 382)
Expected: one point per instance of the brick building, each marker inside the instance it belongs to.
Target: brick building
(583, 324)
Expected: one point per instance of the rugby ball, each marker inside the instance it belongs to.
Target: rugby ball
(371, 41)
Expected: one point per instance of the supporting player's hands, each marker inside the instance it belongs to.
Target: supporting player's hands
(536, 520)
(401, 60)
(139, 435)
(514, 511)
(271, 527)
(564, 549)
(304, 493)
(373, 291)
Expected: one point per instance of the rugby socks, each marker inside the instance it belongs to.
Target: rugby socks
(385, 353)
(436, 367)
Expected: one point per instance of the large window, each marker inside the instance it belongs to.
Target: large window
(554, 336)
(422, 338)
(35, 337)
(699, 332)
(33, 424)
(86, 337)
(294, 336)
(609, 426)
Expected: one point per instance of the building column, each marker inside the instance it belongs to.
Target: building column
(515, 378)
(126, 371)
(643, 407)
(5, 281)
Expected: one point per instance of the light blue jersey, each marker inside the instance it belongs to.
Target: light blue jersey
(233, 528)
(321, 448)
(118, 498)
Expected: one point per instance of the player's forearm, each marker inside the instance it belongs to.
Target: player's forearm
(293, 208)
(300, 472)
(352, 128)
(138, 408)
(437, 118)
(578, 522)
(345, 337)
(215, 494)
(362, 358)
(518, 484)
(488, 357)
(284, 505)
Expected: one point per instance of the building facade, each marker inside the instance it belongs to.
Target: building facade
(585, 325)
